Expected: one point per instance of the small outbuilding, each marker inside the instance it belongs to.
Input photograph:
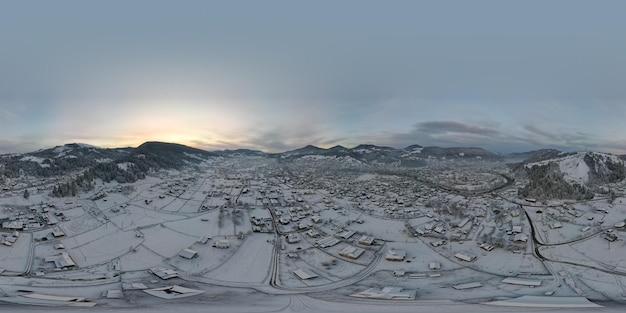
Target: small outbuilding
(188, 254)
(221, 244)
(395, 255)
(351, 252)
(366, 240)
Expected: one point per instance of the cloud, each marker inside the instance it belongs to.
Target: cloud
(442, 127)
(567, 138)
(504, 140)
(443, 133)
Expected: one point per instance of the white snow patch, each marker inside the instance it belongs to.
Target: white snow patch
(575, 168)
(124, 165)
(35, 159)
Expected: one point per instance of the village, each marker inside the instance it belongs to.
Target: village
(277, 227)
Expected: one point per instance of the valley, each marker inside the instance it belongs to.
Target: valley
(334, 225)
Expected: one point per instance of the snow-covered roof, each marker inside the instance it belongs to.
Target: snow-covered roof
(173, 292)
(304, 274)
(390, 293)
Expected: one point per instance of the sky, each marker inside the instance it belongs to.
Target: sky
(508, 76)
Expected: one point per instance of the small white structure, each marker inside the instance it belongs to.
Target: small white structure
(556, 225)
(304, 274)
(221, 244)
(366, 240)
(62, 260)
(520, 238)
(188, 254)
(293, 238)
(346, 234)
(351, 252)
(173, 292)
(434, 266)
(487, 247)
(465, 257)
(313, 233)
(388, 293)
(203, 240)
(395, 255)
(327, 242)
(10, 241)
(438, 243)
(163, 273)
(439, 230)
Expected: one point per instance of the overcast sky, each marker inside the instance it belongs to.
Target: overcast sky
(276, 75)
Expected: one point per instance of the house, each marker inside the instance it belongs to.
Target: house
(520, 238)
(395, 255)
(62, 260)
(438, 243)
(610, 235)
(366, 240)
(351, 252)
(163, 273)
(10, 241)
(556, 225)
(346, 234)
(293, 238)
(327, 242)
(304, 274)
(486, 247)
(58, 233)
(188, 254)
(388, 293)
(203, 240)
(434, 266)
(313, 233)
(13, 225)
(465, 257)
(439, 230)
(221, 244)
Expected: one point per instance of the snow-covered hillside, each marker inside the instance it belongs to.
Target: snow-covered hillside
(579, 167)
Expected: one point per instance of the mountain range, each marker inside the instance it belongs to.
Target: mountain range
(550, 173)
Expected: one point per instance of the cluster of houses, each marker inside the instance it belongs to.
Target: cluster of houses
(10, 239)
